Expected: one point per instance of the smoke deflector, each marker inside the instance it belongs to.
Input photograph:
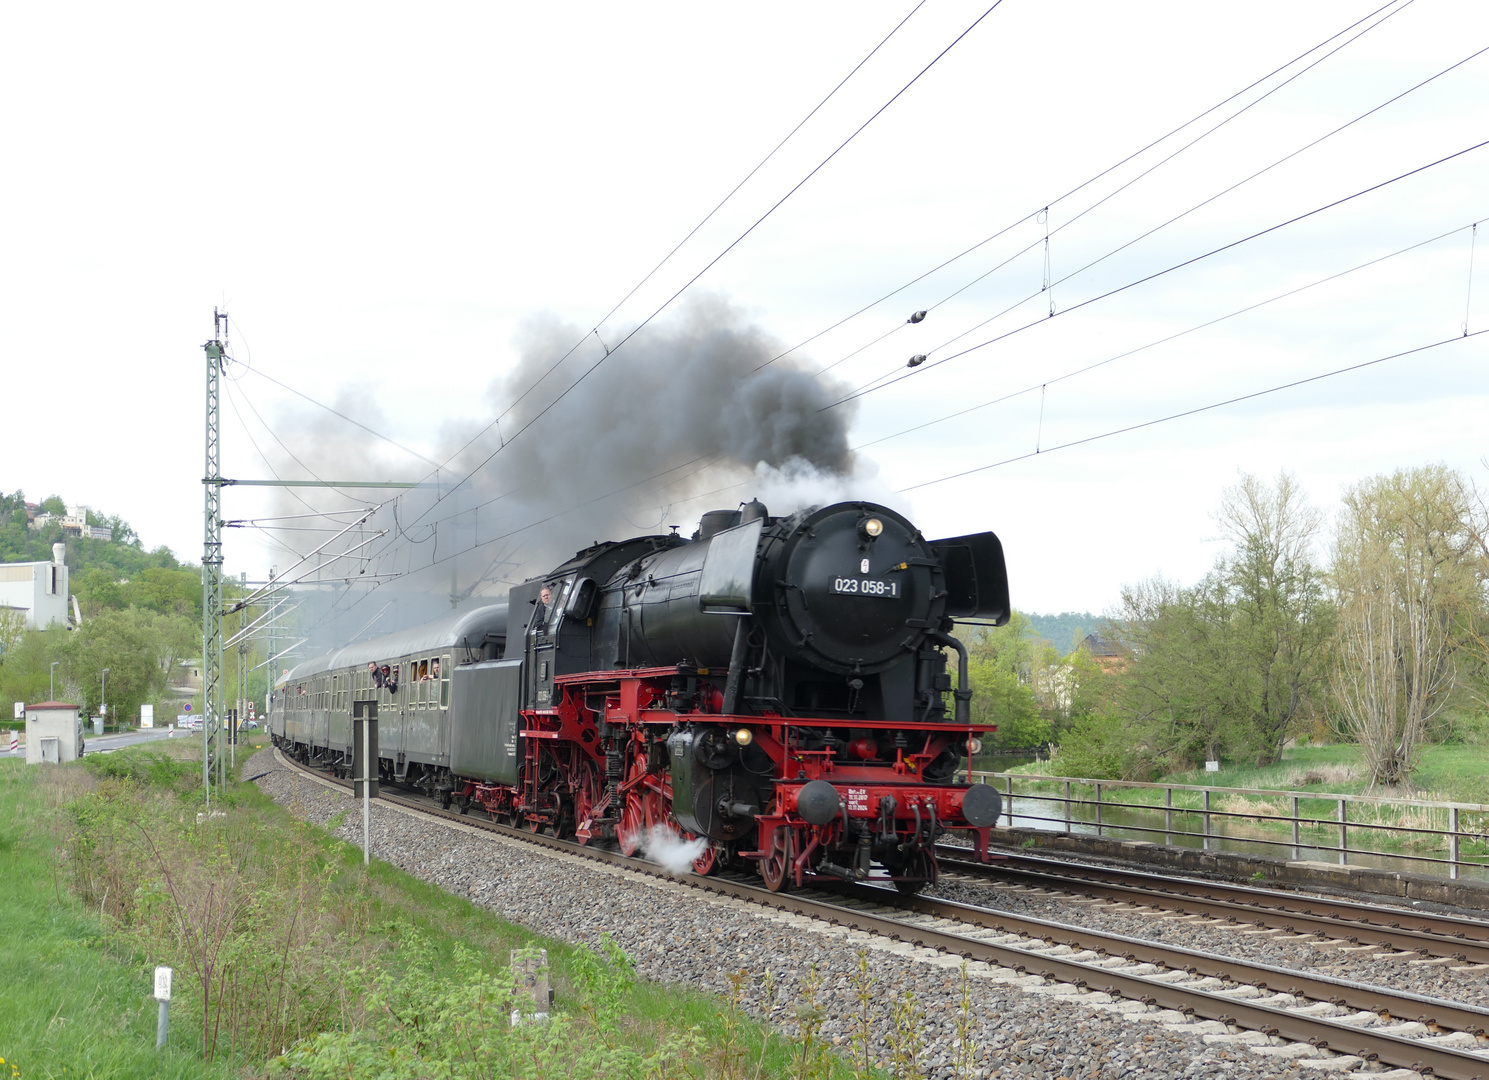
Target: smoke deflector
(976, 577)
(726, 584)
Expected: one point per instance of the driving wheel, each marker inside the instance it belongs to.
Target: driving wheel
(776, 867)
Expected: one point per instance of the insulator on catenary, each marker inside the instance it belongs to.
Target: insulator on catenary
(916, 317)
(916, 360)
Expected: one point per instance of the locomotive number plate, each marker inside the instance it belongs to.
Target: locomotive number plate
(865, 587)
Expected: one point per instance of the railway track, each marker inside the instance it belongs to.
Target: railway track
(1353, 923)
(1278, 1010)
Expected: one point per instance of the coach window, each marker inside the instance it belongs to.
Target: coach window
(442, 673)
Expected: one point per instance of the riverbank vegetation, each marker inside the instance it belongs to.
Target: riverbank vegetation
(1371, 629)
(1242, 807)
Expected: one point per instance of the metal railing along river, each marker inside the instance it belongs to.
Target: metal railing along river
(1438, 837)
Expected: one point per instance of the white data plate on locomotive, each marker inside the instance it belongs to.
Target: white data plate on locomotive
(866, 587)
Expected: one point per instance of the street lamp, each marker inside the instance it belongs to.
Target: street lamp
(53, 675)
(103, 682)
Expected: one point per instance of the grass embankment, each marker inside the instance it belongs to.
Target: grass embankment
(1446, 773)
(281, 938)
(68, 1006)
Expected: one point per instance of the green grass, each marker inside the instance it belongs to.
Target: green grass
(74, 985)
(69, 1008)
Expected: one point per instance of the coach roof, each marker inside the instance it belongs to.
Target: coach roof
(453, 631)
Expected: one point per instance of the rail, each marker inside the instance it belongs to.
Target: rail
(1440, 829)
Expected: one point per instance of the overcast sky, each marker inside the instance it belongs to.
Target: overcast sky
(400, 205)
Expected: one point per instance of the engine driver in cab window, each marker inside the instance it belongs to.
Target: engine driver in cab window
(542, 612)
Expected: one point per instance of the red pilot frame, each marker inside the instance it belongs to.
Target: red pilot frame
(621, 752)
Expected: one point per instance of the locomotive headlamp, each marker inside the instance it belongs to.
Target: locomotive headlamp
(871, 528)
(744, 736)
(974, 746)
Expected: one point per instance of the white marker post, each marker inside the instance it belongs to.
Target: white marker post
(364, 766)
(366, 795)
(163, 995)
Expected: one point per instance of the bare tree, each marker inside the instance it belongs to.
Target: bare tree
(1408, 581)
(1477, 625)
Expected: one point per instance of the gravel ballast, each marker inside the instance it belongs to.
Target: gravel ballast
(1435, 977)
(1022, 1026)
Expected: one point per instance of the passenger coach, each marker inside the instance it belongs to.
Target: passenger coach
(310, 714)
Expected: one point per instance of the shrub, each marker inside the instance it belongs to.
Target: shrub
(1103, 747)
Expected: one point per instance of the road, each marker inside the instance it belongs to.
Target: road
(103, 744)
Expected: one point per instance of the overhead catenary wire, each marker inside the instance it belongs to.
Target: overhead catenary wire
(1158, 274)
(691, 233)
(1084, 369)
(530, 422)
(1041, 450)
(1049, 284)
(550, 518)
(1045, 451)
(1384, 8)
(350, 420)
(1194, 411)
(231, 395)
(1397, 4)
(701, 462)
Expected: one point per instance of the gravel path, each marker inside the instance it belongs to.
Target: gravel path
(1022, 1027)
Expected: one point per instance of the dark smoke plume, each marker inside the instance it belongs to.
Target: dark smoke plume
(681, 398)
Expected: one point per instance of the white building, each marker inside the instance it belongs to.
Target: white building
(54, 733)
(74, 523)
(37, 588)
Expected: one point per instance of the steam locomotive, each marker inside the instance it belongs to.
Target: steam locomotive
(774, 688)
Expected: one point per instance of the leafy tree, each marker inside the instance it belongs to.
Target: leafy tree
(1181, 687)
(1003, 666)
(1229, 665)
(12, 629)
(1106, 746)
(26, 674)
(1280, 622)
(134, 645)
